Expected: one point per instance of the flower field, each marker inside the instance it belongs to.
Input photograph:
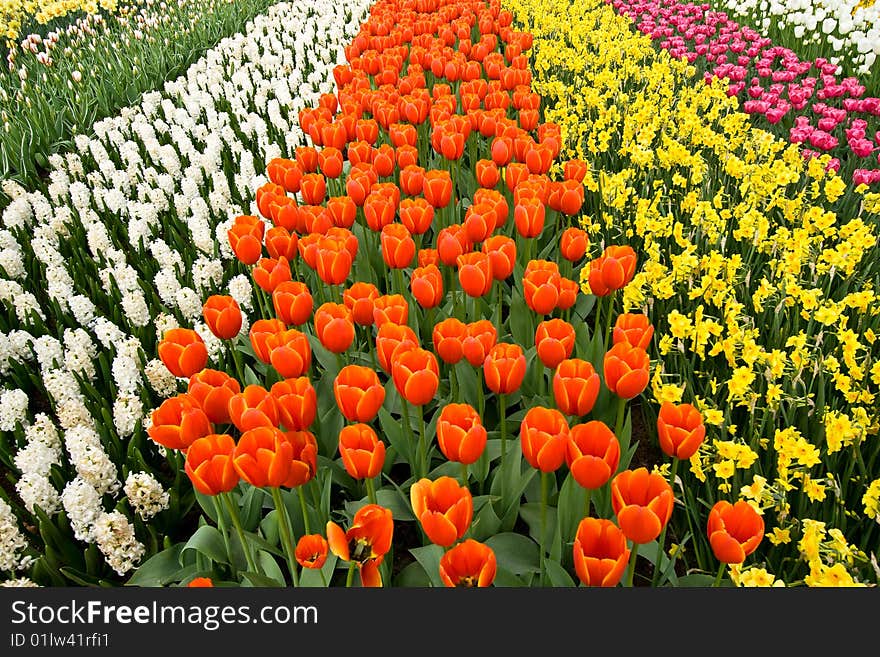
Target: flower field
(416, 293)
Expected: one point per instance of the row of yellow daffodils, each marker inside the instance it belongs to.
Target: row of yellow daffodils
(760, 270)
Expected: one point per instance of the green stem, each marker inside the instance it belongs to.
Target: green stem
(221, 524)
(621, 410)
(720, 575)
(655, 579)
(286, 534)
(371, 490)
(236, 521)
(404, 405)
(543, 522)
(423, 443)
(499, 292)
(323, 579)
(302, 506)
(464, 474)
(587, 502)
(350, 577)
(609, 313)
(632, 565)
(502, 410)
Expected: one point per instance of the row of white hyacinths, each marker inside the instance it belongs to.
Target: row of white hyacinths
(851, 28)
(182, 164)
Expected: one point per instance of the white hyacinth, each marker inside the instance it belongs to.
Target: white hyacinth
(145, 494)
(114, 535)
(12, 541)
(82, 504)
(13, 409)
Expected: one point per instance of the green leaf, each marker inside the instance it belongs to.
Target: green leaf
(270, 567)
(311, 577)
(159, 570)
(505, 578)
(486, 523)
(520, 320)
(515, 552)
(259, 580)
(570, 510)
(412, 576)
(429, 557)
(530, 512)
(394, 432)
(394, 500)
(557, 574)
(208, 541)
(696, 580)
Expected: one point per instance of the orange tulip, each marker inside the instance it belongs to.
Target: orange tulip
(307, 158)
(475, 273)
(626, 370)
(209, 464)
(200, 583)
(452, 241)
(270, 273)
(437, 188)
(612, 270)
(600, 552)
(496, 200)
(734, 530)
(443, 508)
(259, 334)
(593, 454)
(183, 352)
(478, 340)
(680, 430)
(343, 211)
(406, 155)
(571, 197)
(541, 289)
(574, 170)
(311, 551)
(634, 328)
(528, 215)
(359, 300)
(359, 393)
(363, 454)
(367, 130)
(330, 161)
(391, 308)
(333, 262)
(263, 457)
(479, 221)
(253, 407)
(222, 315)
(246, 238)
(502, 254)
(460, 433)
(398, 246)
(178, 422)
(297, 402)
(281, 242)
(428, 257)
(212, 389)
(554, 341)
(568, 291)
(501, 151)
(487, 173)
(416, 375)
(544, 436)
(468, 564)
(379, 210)
(412, 180)
(357, 187)
(575, 386)
(313, 188)
(334, 327)
(448, 337)
(289, 352)
(426, 286)
(573, 243)
(389, 338)
(366, 542)
(504, 368)
(643, 503)
(293, 302)
(305, 457)
(416, 214)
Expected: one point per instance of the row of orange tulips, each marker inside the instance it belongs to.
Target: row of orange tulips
(395, 188)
